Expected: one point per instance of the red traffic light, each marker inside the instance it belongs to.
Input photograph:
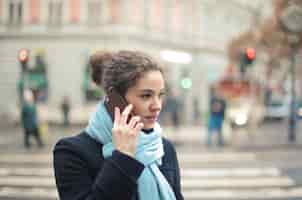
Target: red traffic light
(250, 53)
(23, 55)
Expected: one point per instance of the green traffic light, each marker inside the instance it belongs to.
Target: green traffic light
(186, 83)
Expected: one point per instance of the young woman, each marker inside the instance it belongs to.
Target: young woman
(125, 158)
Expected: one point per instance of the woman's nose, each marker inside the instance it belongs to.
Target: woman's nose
(157, 104)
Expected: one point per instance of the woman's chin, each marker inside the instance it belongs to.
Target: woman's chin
(149, 125)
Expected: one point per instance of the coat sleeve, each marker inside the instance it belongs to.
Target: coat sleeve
(116, 179)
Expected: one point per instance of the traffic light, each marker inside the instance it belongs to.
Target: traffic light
(23, 56)
(250, 55)
(185, 79)
(247, 58)
(186, 83)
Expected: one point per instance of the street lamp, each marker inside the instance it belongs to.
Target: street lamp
(293, 41)
(291, 22)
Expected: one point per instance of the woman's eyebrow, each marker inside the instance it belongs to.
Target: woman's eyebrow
(151, 91)
(146, 91)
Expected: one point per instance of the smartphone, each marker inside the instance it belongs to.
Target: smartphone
(114, 99)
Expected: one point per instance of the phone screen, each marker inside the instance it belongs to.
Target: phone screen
(114, 99)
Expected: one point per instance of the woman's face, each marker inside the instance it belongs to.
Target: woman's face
(146, 96)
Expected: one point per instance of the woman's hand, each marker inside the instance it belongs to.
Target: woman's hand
(125, 134)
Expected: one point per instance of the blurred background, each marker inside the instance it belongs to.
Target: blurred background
(233, 73)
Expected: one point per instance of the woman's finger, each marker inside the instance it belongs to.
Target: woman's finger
(125, 114)
(138, 127)
(134, 121)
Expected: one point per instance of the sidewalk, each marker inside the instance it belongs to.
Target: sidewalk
(265, 137)
(188, 137)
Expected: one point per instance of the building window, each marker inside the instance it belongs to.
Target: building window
(11, 12)
(15, 12)
(1, 11)
(55, 13)
(94, 12)
(157, 14)
(177, 15)
(114, 11)
(74, 8)
(136, 12)
(34, 11)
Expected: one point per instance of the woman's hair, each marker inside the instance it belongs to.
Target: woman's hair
(120, 70)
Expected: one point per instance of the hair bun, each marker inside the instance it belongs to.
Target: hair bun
(97, 64)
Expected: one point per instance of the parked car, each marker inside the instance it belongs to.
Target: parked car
(277, 110)
(299, 109)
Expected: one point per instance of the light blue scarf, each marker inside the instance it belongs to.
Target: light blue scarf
(152, 185)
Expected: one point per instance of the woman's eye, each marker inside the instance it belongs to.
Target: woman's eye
(145, 96)
(162, 95)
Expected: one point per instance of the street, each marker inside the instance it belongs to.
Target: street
(195, 67)
(266, 168)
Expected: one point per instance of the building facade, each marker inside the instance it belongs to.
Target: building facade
(67, 31)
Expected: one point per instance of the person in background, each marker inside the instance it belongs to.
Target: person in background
(173, 108)
(196, 111)
(217, 115)
(125, 157)
(29, 120)
(65, 108)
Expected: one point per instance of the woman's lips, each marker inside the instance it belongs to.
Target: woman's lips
(151, 118)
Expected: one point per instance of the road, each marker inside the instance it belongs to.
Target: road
(267, 168)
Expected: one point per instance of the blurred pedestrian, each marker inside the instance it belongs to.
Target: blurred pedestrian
(173, 106)
(30, 120)
(196, 111)
(121, 154)
(65, 109)
(217, 115)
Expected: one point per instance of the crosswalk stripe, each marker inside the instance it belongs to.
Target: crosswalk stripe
(27, 181)
(260, 194)
(193, 194)
(45, 159)
(228, 157)
(28, 193)
(238, 182)
(274, 193)
(186, 182)
(233, 172)
(188, 172)
(26, 172)
(205, 157)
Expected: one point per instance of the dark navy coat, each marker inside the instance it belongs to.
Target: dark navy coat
(82, 173)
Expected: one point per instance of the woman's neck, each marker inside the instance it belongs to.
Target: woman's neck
(147, 131)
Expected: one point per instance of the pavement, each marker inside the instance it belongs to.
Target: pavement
(257, 167)
(270, 135)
